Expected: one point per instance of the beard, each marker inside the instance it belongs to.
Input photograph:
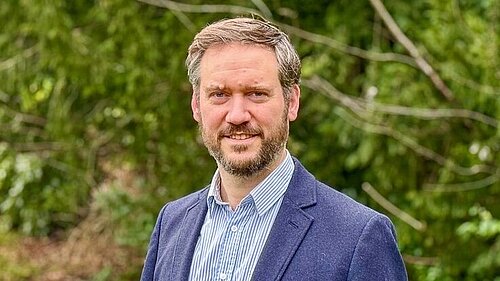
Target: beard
(270, 148)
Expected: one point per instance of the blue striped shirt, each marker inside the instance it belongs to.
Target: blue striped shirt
(231, 241)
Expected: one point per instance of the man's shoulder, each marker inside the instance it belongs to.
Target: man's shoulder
(330, 197)
(173, 212)
(187, 201)
(326, 202)
(325, 197)
(348, 217)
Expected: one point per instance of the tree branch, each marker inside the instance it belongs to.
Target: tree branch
(362, 123)
(464, 186)
(358, 104)
(431, 113)
(350, 50)
(316, 38)
(407, 141)
(412, 49)
(359, 107)
(386, 204)
(201, 9)
(23, 117)
(22, 129)
(184, 20)
(471, 84)
(263, 8)
(40, 146)
(11, 62)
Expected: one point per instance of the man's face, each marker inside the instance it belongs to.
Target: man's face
(241, 110)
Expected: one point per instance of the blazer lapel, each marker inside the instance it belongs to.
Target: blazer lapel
(290, 226)
(188, 237)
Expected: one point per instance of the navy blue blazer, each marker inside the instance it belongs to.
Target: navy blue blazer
(319, 234)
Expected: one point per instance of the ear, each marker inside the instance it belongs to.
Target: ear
(195, 106)
(293, 106)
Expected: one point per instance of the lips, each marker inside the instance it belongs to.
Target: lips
(240, 136)
(240, 132)
(239, 142)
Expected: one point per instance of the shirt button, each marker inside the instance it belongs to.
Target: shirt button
(223, 276)
(234, 228)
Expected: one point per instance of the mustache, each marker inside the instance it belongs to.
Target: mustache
(242, 128)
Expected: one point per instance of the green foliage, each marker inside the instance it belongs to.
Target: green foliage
(84, 93)
(32, 201)
(482, 227)
(130, 216)
(90, 88)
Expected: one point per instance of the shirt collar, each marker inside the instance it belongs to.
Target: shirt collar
(265, 194)
(272, 188)
(214, 196)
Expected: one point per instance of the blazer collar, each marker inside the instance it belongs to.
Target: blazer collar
(290, 227)
(302, 188)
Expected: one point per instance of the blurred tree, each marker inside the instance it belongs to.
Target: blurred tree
(400, 110)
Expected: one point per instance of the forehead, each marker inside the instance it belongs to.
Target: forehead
(238, 63)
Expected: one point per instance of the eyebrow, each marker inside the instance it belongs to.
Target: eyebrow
(246, 88)
(214, 88)
(261, 88)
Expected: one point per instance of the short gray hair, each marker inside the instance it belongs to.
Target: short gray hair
(246, 31)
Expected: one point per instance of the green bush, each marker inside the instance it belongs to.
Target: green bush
(89, 88)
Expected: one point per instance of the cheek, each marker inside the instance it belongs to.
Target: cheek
(211, 119)
(269, 115)
(268, 121)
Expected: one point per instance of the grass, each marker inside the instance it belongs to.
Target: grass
(82, 255)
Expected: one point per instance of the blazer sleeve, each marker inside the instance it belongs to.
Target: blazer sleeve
(376, 256)
(150, 262)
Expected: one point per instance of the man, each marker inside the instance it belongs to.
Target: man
(263, 217)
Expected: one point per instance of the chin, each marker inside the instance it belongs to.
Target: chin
(241, 158)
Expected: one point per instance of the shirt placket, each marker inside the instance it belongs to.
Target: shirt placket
(232, 238)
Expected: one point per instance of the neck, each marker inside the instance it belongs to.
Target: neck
(234, 188)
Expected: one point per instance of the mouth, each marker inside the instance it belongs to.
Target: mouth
(240, 136)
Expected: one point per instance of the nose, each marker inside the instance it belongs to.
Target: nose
(238, 112)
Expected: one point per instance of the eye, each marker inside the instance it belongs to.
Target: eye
(259, 96)
(218, 97)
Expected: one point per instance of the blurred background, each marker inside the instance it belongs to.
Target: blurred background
(400, 110)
